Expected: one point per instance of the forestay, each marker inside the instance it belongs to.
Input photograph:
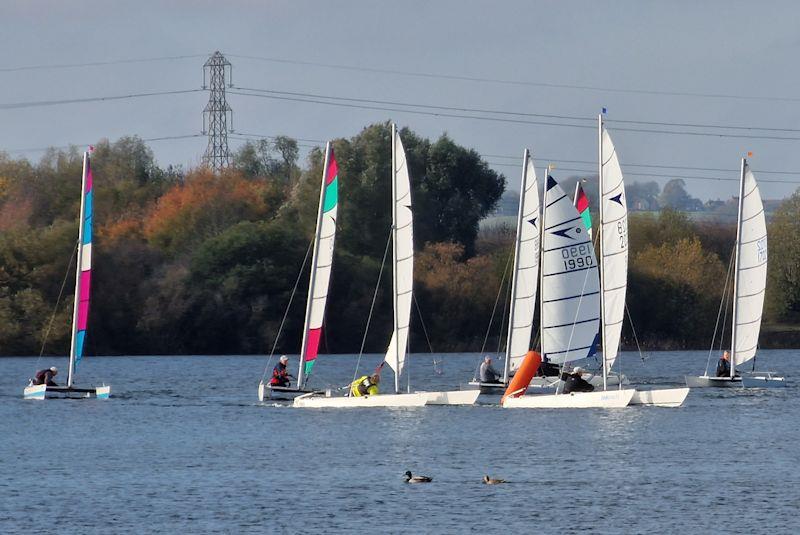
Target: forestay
(614, 249)
(751, 270)
(570, 281)
(402, 257)
(526, 268)
(321, 265)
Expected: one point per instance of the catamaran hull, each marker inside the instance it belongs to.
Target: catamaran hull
(452, 397)
(706, 381)
(765, 380)
(605, 399)
(266, 391)
(661, 397)
(342, 402)
(49, 392)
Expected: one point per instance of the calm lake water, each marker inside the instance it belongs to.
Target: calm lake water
(184, 446)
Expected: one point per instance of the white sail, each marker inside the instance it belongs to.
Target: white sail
(570, 281)
(614, 249)
(751, 269)
(402, 257)
(525, 278)
(321, 265)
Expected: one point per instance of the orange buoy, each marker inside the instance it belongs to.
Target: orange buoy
(519, 383)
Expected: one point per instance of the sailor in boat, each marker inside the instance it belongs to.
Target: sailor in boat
(724, 365)
(45, 377)
(573, 382)
(486, 372)
(548, 369)
(280, 377)
(366, 385)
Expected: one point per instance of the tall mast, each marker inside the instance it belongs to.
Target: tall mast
(394, 259)
(541, 261)
(313, 277)
(79, 265)
(517, 244)
(601, 237)
(736, 269)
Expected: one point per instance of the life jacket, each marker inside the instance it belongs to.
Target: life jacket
(363, 386)
(43, 377)
(280, 376)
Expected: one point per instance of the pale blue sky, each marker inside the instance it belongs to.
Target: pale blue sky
(732, 48)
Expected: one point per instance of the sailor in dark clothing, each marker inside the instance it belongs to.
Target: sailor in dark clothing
(280, 377)
(45, 377)
(573, 382)
(724, 365)
(547, 368)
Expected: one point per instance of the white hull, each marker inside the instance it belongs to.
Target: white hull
(265, 392)
(452, 397)
(662, 397)
(352, 402)
(608, 399)
(706, 381)
(43, 391)
(763, 380)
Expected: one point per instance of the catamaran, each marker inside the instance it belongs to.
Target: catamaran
(402, 282)
(80, 310)
(570, 303)
(749, 285)
(319, 283)
(614, 270)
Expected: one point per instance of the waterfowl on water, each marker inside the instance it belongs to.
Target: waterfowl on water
(492, 481)
(417, 479)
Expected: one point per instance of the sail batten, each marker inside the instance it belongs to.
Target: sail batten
(321, 266)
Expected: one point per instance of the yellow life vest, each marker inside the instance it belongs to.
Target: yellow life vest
(370, 388)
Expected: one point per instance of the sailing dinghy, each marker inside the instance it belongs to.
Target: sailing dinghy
(570, 303)
(402, 281)
(80, 310)
(749, 285)
(321, 266)
(614, 270)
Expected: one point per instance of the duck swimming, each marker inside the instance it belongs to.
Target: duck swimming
(491, 481)
(417, 479)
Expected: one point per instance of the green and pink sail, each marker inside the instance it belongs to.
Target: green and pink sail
(581, 202)
(321, 264)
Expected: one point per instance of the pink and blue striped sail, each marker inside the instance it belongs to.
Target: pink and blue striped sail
(85, 264)
(322, 264)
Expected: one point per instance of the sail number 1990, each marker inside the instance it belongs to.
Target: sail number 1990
(577, 257)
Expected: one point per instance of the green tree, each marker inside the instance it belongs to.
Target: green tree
(783, 288)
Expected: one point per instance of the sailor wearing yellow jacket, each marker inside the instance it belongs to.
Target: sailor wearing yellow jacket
(366, 385)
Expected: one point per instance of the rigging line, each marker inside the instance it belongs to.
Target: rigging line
(518, 82)
(55, 308)
(496, 300)
(286, 312)
(422, 322)
(372, 305)
(719, 312)
(516, 113)
(633, 330)
(41, 103)
(97, 63)
(506, 302)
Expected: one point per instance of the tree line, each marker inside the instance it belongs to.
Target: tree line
(188, 261)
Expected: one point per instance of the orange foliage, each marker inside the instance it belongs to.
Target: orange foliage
(203, 206)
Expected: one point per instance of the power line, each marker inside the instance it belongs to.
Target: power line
(519, 82)
(41, 103)
(339, 103)
(62, 147)
(96, 63)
